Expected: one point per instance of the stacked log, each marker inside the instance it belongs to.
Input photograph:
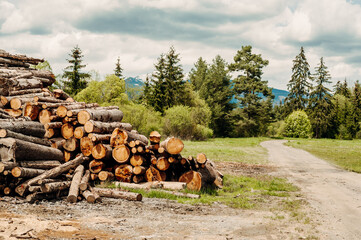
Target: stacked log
(53, 146)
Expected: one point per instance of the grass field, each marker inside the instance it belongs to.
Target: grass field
(344, 153)
(245, 150)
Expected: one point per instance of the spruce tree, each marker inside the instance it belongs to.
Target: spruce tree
(320, 105)
(299, 86)
(197, 75)
(118, 71)
(159, 99)
(249, 88)
(216, 90)
(342, 89)
(76, 80)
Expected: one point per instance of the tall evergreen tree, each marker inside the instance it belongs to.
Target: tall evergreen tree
(255, 113)
(342, 89)
(197, 75)
(356, 104)
(299, 86)
(216, 90)
(76, 80)
(118, 71)
(320, 105)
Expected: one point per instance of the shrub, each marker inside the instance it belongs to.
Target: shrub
(276, 129)
(344, 133)
(298, 125)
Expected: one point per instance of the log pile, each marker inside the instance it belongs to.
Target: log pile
(52, 146)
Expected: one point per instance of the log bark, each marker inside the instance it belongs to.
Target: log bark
(99, 137)
(55, 186)
(110, 193)
(21, 172)
(84, 181)
(74, 187)
(86, 146)
(31, 128)
(106, 115)
(62, 110)
(121, 154)
(17, 103)
(19, 150)
(193, 180)
(57, 143)
(41, 164)
(52, 125)
(14, 113)
(105, 127)
(172, 145)
(89, 196)
(51, 173)
(208, 174)
(26, 91)
(4, 133)
(7, 166)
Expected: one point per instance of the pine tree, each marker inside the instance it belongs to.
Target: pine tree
(342, 89)
(197, 75)
(118, 71)
(216, 90)
(299, 86)
(159, 99)
(320, 105)
(76, 80)
(255, 113)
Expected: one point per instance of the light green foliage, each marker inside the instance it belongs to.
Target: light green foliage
(110, 91)
(343, 117)
(276, 129)
(298, 125)
(188, 122)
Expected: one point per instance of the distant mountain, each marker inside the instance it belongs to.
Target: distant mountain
(136, 82)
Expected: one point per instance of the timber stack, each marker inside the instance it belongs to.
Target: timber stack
(53, 146)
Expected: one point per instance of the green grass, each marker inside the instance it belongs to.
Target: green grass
(343, 153)
(245, 150)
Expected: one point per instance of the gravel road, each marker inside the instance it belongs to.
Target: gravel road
(333, 193)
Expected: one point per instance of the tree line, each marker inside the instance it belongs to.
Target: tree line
(210, 103)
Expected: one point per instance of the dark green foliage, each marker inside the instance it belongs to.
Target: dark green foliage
(75, 79)
(216, 90)
(320, 105)
(118, 71)
(299, 85)
(254, 113)
(197, 75)
(342, 89)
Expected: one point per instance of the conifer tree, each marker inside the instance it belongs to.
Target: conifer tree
(342, 89)
(197, 75)
(320, 105)
(118, 71)
(216, 90)
(76, 80)
(299, 86)
(255, 113)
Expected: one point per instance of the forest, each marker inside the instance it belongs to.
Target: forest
(220, 99)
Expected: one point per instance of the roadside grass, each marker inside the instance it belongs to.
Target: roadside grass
(246, 150)
(343, 153)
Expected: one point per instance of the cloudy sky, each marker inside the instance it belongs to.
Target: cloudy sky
(138, 31)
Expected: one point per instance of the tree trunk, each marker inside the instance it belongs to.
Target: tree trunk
(120, 136)
(7, 166)
(105, 127)
(121, 154)
(102, 115)
(172, 145)
(31, 128)
(19, 150)
(4, 133)
(62, 110)
(193, 180)
(55, 186)
(99, 137)
(74, 187)
(20, 172)
(110, 193)
(26, 91)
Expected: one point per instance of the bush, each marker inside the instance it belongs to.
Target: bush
(276, 129)
(344, 133)
(298, 125)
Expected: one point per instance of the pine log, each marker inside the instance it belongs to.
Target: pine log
(33, 189)
(57, 143)
(51, 173)
(52, 125)
(95, 166)
(124, 173)
(26, 172)
(47, 99)
(67, 130)
(138, 178)
(89, 196)
(68, 155)
(102, 151)
(19, 150)
(71, 144)
(62, 110)
(105, 127)
(137, 160)
(5, 115)
(31, 128)
(84, 181)
(201, 158)
(120, 136)
(106, 115)
(41, 164)
(99, 137)
(55, 186)
(172, 145)
(7, 166)
(26, 91)
(86, 146)
(111, 193)
(121, 154)
(31, 110)
(154, 137)
(152, 174)
(14, 113)
(74, 187)
(139, 170)
(193, 180)
(23, 83)
(162, 163)
(79, 132)
(105, 176)
(4, 133)
(60, 94)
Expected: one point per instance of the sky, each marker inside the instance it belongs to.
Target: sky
(139, 31)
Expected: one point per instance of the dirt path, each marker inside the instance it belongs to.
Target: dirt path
(335, 194)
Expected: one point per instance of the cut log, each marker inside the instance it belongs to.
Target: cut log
(84, 181)
(67, 130)
(41, 164)
(74, 187)
(68, 155)
(201, 158)
(53, 125)
(138, 178)
(31, 110)
(19, 150)
(102, 151)
(172, 145)
(95, 166)
(154, 137)
(47, 99)
(108, 115)
(110, 193)
(31, 128)
(137, 160)
(26, 172)
(33, 189)
(121, 154)
(162, 163)
(52, 132)
(4, 133)
(193, 180)
(105, 127)
(105, 176)
(152, 174)
(208, 174)
(79, 132)
(57, 143)
(51, 173)
(89, 196)
(124, 173)
(7, 166)
(14, 113)
(71, 144)
(86, 146)
(58, 93)
(120, 136)
(17, 103)
(139, 170)
(99, 137)
(55, 186)
(26, 91)
(62, 110)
